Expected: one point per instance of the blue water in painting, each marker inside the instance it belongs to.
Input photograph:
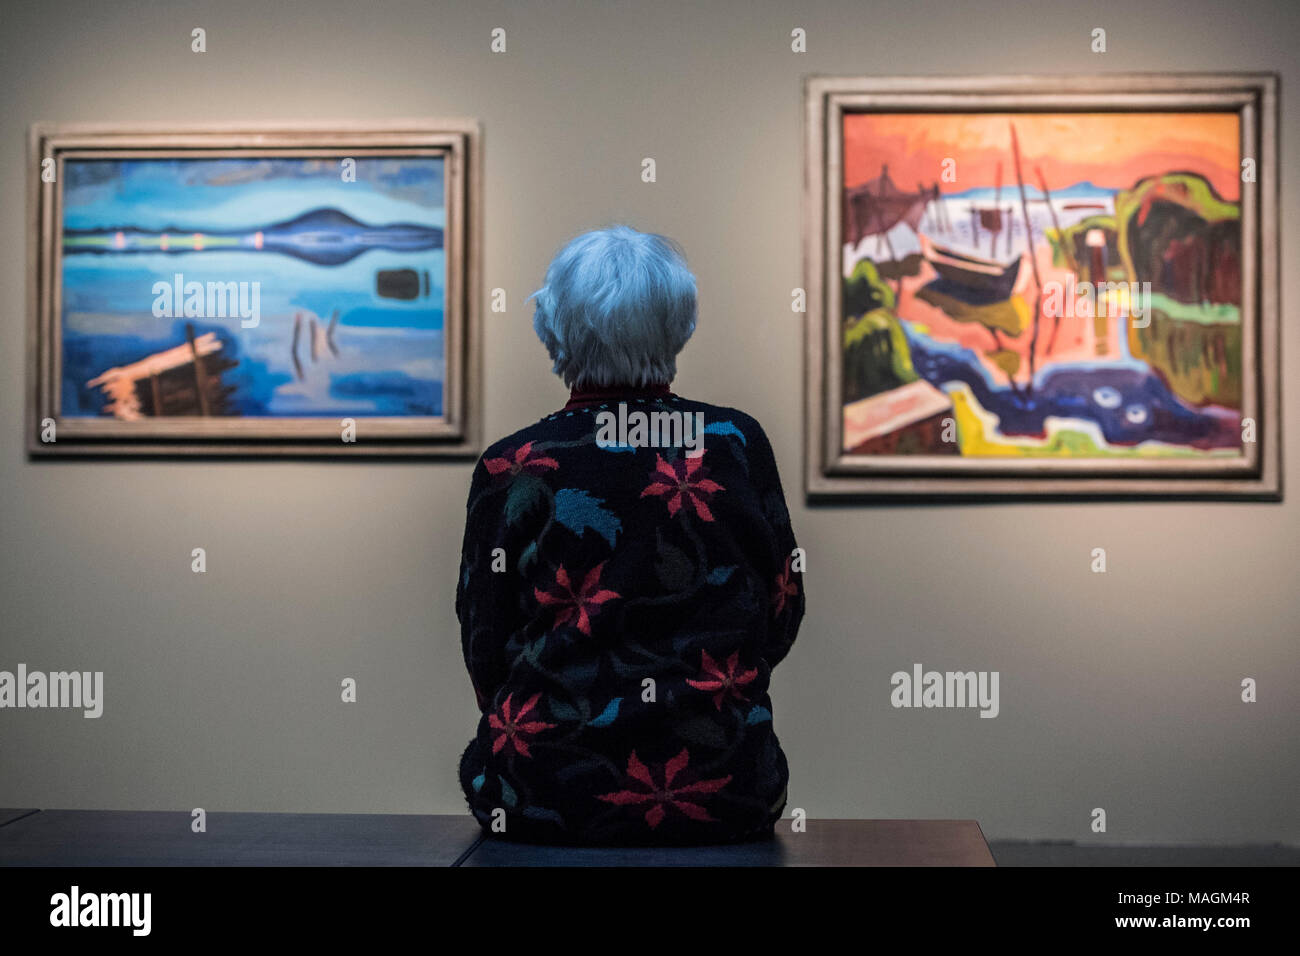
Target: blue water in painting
(1127, 401)
(390, 352)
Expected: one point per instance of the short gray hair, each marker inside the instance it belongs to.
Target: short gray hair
(617, 307)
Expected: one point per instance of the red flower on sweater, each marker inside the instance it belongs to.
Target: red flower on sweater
(785, 588)
(664, 795)
(723, 683)
(520, 460)
(580, 604)
(512, 730)
(683, 482)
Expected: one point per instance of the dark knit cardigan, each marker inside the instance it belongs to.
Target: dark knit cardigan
(621, 611)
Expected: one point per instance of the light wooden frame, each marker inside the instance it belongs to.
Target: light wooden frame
(829, 473)
(456, 433)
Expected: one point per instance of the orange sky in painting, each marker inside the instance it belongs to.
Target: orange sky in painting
(1112, 150)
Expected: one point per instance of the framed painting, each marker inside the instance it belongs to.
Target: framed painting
(301, 289)
(1042, 286)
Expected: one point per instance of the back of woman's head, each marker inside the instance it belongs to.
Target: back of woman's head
(617, 307)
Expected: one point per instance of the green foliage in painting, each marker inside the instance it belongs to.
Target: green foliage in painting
(865, 291)
(876, 354)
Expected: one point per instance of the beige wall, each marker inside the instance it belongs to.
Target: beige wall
(1118, 690)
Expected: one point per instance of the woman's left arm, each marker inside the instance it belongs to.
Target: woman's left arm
(485, 599)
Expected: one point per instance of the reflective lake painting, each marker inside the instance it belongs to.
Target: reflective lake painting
(257, 287)
(1042, 285)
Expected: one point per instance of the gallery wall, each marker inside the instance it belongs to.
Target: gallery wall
(1118, 690)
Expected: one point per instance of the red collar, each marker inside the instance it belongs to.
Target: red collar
(595, 395)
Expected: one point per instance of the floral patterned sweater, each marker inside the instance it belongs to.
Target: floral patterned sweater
(621, 610)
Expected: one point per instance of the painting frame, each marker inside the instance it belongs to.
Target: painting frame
(831, 474)
(456, 432)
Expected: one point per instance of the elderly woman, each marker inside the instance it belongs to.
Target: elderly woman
(629, 578)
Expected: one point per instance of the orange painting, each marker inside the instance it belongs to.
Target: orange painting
(1042, 284)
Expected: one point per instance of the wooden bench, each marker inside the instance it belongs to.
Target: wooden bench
(75, 838)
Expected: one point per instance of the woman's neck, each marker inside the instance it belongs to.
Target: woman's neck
(583, 396)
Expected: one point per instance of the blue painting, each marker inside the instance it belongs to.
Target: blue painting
(257, 287)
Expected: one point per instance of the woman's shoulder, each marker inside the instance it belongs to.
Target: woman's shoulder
(566, 425)
(721, 416)
(519, 448)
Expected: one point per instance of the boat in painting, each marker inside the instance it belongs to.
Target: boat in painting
(970, 278)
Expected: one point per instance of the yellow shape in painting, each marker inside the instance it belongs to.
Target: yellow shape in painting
(1006, 360)
(970, 428)
(1011, 316)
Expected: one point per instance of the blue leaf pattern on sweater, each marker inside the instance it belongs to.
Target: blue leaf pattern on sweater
(578, 511)
(609, 714)
(720, 575)
(724, 428)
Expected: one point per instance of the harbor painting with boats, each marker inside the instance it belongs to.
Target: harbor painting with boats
(260, 287)
(1044, 285)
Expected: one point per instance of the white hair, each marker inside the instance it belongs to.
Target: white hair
(617, 307)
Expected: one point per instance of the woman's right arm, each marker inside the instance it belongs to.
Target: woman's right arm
(786, 592)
